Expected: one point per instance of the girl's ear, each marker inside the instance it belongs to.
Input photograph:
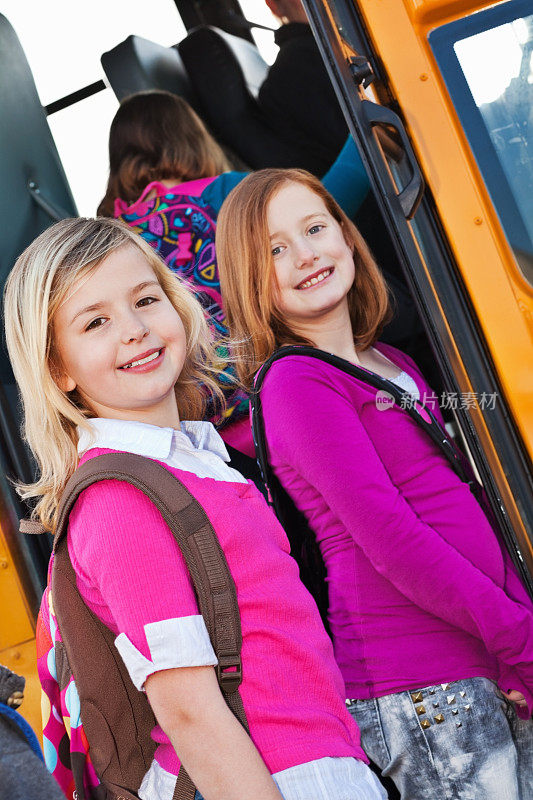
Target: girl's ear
(61, 379)
(65, 383)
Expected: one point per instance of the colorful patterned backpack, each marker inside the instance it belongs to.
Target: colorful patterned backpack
(181, 227)
(65, 745)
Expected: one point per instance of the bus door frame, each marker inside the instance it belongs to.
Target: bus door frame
(431, 272)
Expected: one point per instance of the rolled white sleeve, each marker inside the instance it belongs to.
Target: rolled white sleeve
(179, 642)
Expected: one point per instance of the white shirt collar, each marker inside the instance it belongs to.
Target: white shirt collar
(150, 440)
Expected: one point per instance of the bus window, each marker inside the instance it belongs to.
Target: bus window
(486, 61)
(63, 43)
(264, 39)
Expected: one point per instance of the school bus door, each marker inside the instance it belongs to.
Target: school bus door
(469, 272)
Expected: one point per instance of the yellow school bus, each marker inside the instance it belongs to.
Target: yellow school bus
(450, 84)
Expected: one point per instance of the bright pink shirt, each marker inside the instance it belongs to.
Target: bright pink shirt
(420, 590)
(131, 573)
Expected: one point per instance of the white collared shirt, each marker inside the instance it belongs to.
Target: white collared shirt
(196, 448)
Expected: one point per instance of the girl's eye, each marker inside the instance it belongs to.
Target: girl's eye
(146, 301)
(316, 228)
(95, 323)
(277, 250)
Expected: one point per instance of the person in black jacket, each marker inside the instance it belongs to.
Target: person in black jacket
(297, 97)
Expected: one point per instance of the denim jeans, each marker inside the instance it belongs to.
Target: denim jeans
(456, 741)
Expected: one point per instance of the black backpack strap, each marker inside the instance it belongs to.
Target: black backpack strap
(197, 540)
(422, 415)
(304, 546)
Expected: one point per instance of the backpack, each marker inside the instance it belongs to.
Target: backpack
(96, 724)
(304, 546)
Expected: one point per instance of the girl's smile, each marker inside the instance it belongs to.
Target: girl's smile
(316, 278)
(146, 361)
(120, 343)
(313, 264)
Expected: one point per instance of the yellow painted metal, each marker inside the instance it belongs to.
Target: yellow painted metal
(429, 11)
(500, 295)
(22, 660)
(17, 624)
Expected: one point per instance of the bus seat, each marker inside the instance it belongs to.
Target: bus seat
(210, 41)
(34, 194)
(35, 191)
(226, 72)
(137, 64)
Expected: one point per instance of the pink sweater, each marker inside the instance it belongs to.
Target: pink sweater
(131, 573)
(420, 590)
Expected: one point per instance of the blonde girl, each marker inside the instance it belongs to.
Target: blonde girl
(111, 353)
(431, 626)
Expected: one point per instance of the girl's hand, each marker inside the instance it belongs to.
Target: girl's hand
(516, 697)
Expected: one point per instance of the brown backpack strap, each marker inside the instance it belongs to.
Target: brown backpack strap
(31, 526)
(117, 718)
(197, 540)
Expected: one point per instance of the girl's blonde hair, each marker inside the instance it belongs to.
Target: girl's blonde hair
(42, 278)
(154, 136)
(247, 275)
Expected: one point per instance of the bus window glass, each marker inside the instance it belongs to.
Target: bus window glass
(486, 61)
(63, 41)
(508, 116)
(82, 145)
(259, 12)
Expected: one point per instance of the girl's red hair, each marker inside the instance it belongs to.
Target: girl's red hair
(247, 274)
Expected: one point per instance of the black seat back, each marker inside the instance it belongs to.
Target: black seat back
(137, 64)
(253, 67)
(226, 72)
